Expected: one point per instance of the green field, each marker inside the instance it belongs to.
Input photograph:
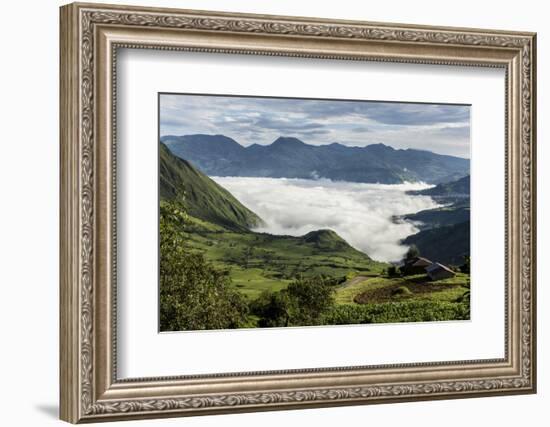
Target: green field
(257, 262)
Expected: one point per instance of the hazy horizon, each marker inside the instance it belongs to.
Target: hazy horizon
(439, 128)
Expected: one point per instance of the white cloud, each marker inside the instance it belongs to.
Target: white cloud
(360, 213)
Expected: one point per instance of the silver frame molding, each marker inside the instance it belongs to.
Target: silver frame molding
(90, 37)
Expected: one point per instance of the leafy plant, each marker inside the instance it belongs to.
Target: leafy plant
(412, 252)
(302, 303)
(392, 271)
(309, 298)
(193, 294)
(465, 268)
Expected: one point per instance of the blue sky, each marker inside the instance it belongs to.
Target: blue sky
(440, 128)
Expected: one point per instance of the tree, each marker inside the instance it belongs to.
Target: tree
(272, 308)
(310, 298)
(302, 303)
(412, 252)
(465, 268)
(193, 294)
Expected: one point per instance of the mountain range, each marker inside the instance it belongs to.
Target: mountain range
(288, 157)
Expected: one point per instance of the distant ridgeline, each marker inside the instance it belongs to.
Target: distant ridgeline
(218, 155)
(445, 231)
(450, 192)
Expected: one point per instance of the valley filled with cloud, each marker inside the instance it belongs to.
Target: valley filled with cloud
(362, 214)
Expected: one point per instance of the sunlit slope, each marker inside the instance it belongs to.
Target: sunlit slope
(203, 198)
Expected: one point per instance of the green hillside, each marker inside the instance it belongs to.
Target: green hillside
(439, 217)
(445, 231)
(448, 244)
(327, 240)
(204, 198)
(259, 262)
(458, 187)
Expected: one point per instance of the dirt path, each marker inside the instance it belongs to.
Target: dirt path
(355, 281)
(347, 291)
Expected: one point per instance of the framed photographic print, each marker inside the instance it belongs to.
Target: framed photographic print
(265, 212)
(304, 234)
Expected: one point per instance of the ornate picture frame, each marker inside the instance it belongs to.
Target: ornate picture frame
(90, 37)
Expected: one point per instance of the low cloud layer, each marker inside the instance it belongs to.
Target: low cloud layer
(360, 213)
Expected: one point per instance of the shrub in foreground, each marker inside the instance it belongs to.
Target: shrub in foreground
(303, 303)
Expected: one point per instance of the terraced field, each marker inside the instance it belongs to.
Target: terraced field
(380, 289)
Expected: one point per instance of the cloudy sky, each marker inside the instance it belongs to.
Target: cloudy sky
(440, 128)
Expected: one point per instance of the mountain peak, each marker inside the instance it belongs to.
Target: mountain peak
(326, 239)
(288, 141)
(323, 237)
(199, 138)
(212, 138)
(380, 146)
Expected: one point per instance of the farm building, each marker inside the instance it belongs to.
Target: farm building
(415, 265)
(437, 271)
